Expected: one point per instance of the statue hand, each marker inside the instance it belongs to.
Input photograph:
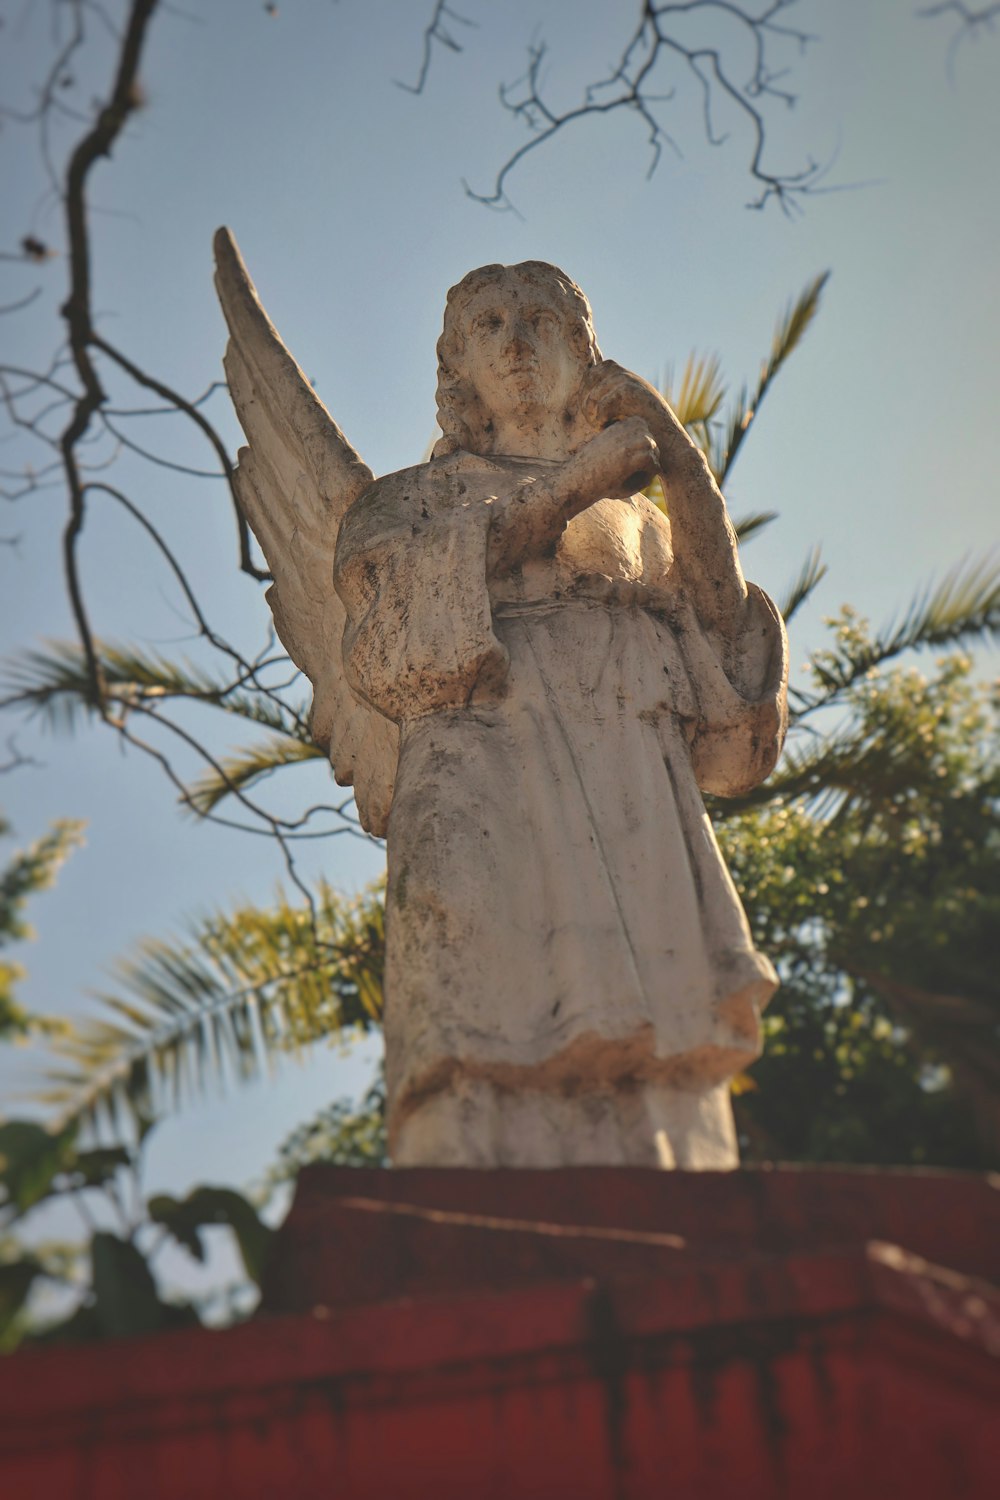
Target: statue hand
(614, 464)
(615, 394)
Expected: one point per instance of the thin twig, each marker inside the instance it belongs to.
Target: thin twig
(436, 31)
(629, 87)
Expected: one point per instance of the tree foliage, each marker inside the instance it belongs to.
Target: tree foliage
(697, 399)
(220, 1005)
(873, 886)
(110, 1285)
(877, 895)
(346, 1133)
(26, 872)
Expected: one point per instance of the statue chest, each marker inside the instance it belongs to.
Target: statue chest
(615, 550)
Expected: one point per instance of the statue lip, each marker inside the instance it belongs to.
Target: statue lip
(522, 367)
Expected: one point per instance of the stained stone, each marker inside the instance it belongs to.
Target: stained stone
(529, 672)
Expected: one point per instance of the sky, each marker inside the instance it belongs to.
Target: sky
(878, 441)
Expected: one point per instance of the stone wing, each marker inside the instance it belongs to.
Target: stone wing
(295, 482)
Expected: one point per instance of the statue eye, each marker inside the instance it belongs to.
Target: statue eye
(489, 322)
(543, 317)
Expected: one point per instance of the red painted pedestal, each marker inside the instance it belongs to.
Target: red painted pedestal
(587, 1333)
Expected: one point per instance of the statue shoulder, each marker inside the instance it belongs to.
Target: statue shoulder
(386, 505)
(394, 506)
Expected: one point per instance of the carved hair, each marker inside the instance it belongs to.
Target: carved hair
(463, 420)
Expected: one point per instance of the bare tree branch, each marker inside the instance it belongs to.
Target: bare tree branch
(13, 307)
(98, 142)
(436, 31)
(971, 18)
(15, 757)
(191, 409)
(971, 22)
(712, 62)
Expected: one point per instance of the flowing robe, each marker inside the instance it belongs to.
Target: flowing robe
(570, 975)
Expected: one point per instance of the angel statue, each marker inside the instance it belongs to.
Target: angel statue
(526, 670)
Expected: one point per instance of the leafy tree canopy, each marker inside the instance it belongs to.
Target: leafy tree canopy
(880, 905)
(26, 872)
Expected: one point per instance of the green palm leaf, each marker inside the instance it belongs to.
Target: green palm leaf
(55, 683)
(812, 572)
(966, 604)
(248, 765)
(833, 774)
(240, 990)
(746, 526)
(787, 336)
(696, 401)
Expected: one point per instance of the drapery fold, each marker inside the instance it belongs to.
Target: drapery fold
(559, 917)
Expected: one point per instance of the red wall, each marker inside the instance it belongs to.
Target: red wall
(679, 1370)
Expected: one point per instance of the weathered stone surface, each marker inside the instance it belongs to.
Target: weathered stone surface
(529, 672)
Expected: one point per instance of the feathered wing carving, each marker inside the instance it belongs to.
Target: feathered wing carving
(294, 484)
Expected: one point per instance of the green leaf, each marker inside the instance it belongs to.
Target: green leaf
(347, 1132)
(125, 1297)
(31, 1157)
(206, 1206)
(698, 398)
(83, 1326)
(28, 871)
(174, 1215)
(16, 1280)
(812, 572)
(243, 987)
(55, 683)
(964, 605)
(787, 337)
(243, 769)
(33, 869)
(144, 1125)
(99, 1166)
(746, 526)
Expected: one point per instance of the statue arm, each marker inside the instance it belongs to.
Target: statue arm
(611, 465)
(419, 633)
(704, 542)
(735, 645)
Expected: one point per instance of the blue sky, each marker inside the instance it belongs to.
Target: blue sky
(879, 441)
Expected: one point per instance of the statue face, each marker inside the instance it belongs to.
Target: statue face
(520, 353)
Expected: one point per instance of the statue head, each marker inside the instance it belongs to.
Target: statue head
(515, 338)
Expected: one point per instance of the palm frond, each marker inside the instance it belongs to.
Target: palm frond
(220, 1005)
(833, 775)
(697, 399)
(33, 869)
(966, 604)
(811, 573)
(746, 526)
(787, 336)
(54, 682)
(895, 760)
(246, 766)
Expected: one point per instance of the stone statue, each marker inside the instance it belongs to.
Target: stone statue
(527, 672)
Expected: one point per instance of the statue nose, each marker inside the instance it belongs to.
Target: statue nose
(518, 341)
